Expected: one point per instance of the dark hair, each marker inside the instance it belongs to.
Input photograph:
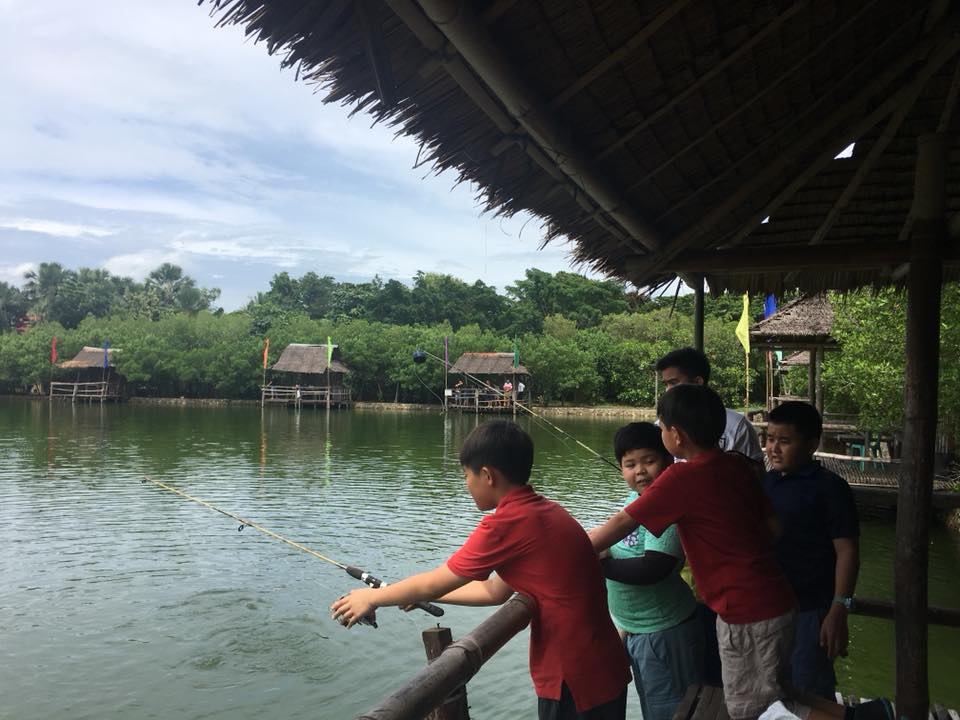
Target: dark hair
(695, 409)
(690, 361)
(502, 445)
(802, 417)
(638, 436)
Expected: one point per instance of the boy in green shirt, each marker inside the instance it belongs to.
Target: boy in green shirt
(650, 603)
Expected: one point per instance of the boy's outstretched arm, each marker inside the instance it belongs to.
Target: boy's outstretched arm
(834, 633)
(614, 529)
(426, 586)
(492, 591)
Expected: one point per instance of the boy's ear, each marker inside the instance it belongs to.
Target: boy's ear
(488, 475)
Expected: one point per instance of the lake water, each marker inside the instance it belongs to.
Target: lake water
(121, 600)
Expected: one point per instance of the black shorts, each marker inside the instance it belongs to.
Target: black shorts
(564, 708)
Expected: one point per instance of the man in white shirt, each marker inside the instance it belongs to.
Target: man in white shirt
(689, 366)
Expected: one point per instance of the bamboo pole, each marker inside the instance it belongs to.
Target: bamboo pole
(464, 31)
(921, 378)
(698, 312)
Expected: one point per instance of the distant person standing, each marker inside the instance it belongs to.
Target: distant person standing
(689, 366)
(507, 392)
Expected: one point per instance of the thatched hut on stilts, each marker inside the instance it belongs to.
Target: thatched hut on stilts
(95, 377)
(313, 375)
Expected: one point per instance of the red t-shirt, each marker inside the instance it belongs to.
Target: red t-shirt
(538, 549)
(721, 512)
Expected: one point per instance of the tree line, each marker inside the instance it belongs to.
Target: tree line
(584, 341)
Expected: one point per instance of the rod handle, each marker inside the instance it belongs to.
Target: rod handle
(374, 582)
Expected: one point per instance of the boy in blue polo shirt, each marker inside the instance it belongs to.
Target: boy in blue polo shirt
(819, 547)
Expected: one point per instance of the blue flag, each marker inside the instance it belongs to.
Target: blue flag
(106, 354)
(769, 306)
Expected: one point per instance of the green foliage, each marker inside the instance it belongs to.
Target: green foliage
(583, 340)
(866, 376)
(53, 293)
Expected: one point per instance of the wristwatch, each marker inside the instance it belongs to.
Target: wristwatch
(847, 602)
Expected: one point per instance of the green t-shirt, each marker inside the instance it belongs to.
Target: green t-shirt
(650, 608)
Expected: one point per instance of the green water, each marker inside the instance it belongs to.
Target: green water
(120, 600)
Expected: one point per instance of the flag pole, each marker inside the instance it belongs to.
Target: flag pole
(746, 384)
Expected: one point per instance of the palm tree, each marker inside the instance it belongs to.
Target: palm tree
(42, 287)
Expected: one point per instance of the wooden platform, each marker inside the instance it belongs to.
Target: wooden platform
(705, 702)
(306, 396)
(86, 391)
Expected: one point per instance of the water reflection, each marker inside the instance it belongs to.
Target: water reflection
(195, 619)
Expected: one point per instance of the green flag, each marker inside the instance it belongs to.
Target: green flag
(516, 354)
(329, 351)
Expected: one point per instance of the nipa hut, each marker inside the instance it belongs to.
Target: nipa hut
(308, 378)
(488, 382)
(804, 323)
(95, 378)
(759, 147)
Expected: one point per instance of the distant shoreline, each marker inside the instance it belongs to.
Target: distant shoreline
(598, 411)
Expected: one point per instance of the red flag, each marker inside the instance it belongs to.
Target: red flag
(266, 351)
(53, 350)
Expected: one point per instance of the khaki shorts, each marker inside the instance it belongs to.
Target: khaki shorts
(755, 659)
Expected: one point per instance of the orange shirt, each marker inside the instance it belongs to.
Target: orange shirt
(540, 550)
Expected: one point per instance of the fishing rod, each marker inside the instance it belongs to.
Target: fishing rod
(420, 356)
(354, 572)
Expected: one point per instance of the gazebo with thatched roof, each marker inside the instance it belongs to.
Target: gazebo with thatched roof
(312, 375)
(758, 147)
(95, 378)
(804, 323)
(483, 383)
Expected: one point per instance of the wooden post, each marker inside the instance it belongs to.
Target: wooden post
(455, 707)
(698, 313)
(812, 376)
(454, 667)
(818, 375)
(919, 436)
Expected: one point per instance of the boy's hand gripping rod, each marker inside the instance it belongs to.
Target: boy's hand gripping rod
(354, 572)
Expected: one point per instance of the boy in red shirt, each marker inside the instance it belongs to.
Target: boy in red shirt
(578, 664)
(726, 528)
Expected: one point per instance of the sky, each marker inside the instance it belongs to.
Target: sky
(137, 133)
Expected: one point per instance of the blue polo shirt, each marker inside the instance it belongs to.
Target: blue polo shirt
(815, 506)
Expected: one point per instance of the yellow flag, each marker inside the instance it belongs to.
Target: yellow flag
(743, 327)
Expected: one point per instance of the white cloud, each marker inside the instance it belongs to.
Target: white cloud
(53, 227)
(13, 274)
(186, 143)
(138, 265)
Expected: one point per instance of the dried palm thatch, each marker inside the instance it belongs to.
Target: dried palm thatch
(89, 357)
(803, 322)
(309, 360)
(487, 363)
(657, 136)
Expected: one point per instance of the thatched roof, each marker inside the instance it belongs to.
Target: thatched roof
(801, 357)
(658, 135)
(308, 360)
(89, 357)
(489, 363)
(804, 322)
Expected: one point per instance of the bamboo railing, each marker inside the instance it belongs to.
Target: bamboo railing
(448, 673)
(305, 395)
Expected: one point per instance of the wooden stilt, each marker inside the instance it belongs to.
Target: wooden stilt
(698, 313)
(916, 485)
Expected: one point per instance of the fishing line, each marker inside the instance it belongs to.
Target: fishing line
(352, 571)
(420, 355)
